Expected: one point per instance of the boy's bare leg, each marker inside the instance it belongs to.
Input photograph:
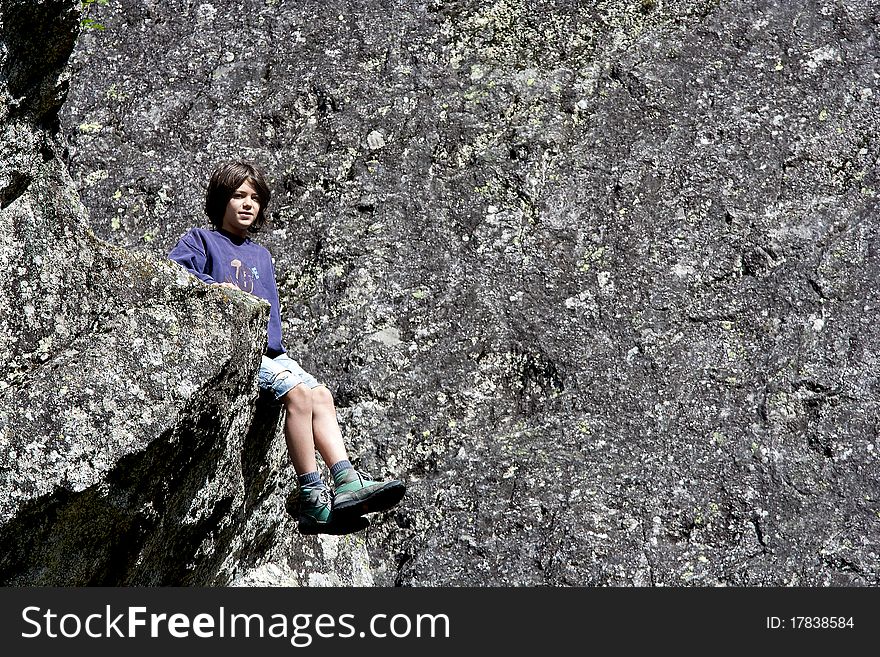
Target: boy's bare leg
(311, 423)
(298, 429)
(325, 427)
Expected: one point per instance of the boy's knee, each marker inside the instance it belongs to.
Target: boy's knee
(298, 398)
(321, 396)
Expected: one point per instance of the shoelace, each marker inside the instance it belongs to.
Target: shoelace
(324, 496)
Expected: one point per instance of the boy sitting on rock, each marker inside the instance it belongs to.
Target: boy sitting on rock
(236, 204)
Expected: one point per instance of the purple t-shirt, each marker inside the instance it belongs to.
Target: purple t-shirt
(216, 256)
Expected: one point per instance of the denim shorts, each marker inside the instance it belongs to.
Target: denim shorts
(281, 374)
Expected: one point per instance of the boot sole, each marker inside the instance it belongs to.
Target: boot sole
(379, 500)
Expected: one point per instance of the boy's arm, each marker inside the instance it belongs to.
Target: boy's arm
(190, 254)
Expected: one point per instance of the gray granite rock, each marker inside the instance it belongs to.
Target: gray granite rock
(599, 280)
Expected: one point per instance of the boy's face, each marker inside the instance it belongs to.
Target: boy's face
(242, 210)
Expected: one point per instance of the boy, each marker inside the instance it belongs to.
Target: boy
(236, 204)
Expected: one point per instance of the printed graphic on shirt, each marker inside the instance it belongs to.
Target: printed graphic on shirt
(242, 276)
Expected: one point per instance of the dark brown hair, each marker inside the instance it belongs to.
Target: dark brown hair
(227, 178)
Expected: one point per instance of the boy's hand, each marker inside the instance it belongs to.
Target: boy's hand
(232, 285)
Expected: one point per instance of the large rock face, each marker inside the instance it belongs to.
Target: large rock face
(600, 280)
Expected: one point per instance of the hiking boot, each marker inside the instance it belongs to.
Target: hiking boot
(314, 511)
(357, 494)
